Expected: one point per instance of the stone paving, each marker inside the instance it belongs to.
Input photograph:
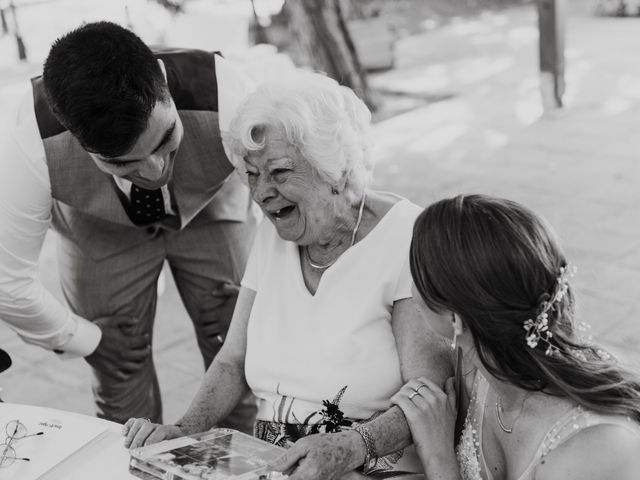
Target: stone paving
(577, 167)
(488, 134)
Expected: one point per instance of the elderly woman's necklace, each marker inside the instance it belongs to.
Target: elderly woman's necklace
(353, 239)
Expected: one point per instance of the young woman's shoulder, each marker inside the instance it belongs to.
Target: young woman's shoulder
(601, 452)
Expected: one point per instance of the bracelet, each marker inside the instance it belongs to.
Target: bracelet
(371, 456)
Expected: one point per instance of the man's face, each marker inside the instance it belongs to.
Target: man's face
(149, 164)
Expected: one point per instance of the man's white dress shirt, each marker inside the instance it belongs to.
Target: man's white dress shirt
(25, 215)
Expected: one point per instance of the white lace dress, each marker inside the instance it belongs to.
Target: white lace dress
(469, 452)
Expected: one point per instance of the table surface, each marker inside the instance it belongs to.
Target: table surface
(104, 459)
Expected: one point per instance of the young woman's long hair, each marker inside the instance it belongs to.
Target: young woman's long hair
(494, 263)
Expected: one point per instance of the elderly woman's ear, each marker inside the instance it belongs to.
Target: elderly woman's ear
(338, 188)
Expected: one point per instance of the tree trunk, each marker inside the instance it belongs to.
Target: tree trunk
(3, 20)
(320, 40)
(552, 25)
(22, 50)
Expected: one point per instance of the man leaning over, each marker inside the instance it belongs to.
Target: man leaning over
(118, 147)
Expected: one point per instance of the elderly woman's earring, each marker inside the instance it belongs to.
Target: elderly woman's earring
(334, 190)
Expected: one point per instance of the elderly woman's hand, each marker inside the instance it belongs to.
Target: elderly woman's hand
(323, 456)
(141, 431)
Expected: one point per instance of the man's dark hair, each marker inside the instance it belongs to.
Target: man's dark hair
(102, 82)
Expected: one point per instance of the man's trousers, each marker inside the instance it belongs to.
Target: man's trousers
(206, 261)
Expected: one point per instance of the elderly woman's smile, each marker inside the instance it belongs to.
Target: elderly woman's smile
(283, 212)
(282, 215)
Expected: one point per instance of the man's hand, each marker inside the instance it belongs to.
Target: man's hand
(120, 351)
(225, 289)
(323, 456)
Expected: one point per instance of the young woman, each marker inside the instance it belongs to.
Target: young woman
(542, 403)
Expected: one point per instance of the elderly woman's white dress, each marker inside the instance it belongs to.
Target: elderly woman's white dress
(318, 362)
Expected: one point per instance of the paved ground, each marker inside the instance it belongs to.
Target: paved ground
(577, 167)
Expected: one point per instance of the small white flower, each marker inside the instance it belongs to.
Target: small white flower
(538, 329)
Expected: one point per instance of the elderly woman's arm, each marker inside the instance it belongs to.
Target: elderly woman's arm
(223, 386)
(330, 456)
(423, 353)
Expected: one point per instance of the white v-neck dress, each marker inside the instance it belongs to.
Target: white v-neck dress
(303, 348)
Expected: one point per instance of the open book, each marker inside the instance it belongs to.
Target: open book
(44, 436)
(219, 454)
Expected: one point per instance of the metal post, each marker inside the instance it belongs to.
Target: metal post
(127, 17)
(551, 23)
(3, 19)
(22, 51)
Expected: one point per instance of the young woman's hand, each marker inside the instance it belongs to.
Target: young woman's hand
(431, 415)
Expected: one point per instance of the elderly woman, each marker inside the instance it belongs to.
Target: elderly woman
(325, 330)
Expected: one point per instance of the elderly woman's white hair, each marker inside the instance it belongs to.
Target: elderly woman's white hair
(326, 122)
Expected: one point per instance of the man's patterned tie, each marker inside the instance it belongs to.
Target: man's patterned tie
(147, 206)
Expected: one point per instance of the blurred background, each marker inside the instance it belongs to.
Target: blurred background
(536, 101)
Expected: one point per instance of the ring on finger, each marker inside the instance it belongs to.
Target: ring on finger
(422, 385)
(413, 395)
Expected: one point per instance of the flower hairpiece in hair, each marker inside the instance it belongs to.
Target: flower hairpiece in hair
(538, 329)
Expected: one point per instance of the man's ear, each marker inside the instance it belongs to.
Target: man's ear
(163, 68)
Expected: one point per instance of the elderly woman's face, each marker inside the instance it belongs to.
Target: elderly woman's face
(289, 190)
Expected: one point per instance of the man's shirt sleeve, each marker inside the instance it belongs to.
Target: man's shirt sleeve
(25, 215)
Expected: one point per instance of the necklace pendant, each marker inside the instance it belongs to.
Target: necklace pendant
(499, 409)
(502, 425)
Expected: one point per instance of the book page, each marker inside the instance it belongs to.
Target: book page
(62, 434)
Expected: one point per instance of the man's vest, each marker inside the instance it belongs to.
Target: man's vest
(89, 208)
